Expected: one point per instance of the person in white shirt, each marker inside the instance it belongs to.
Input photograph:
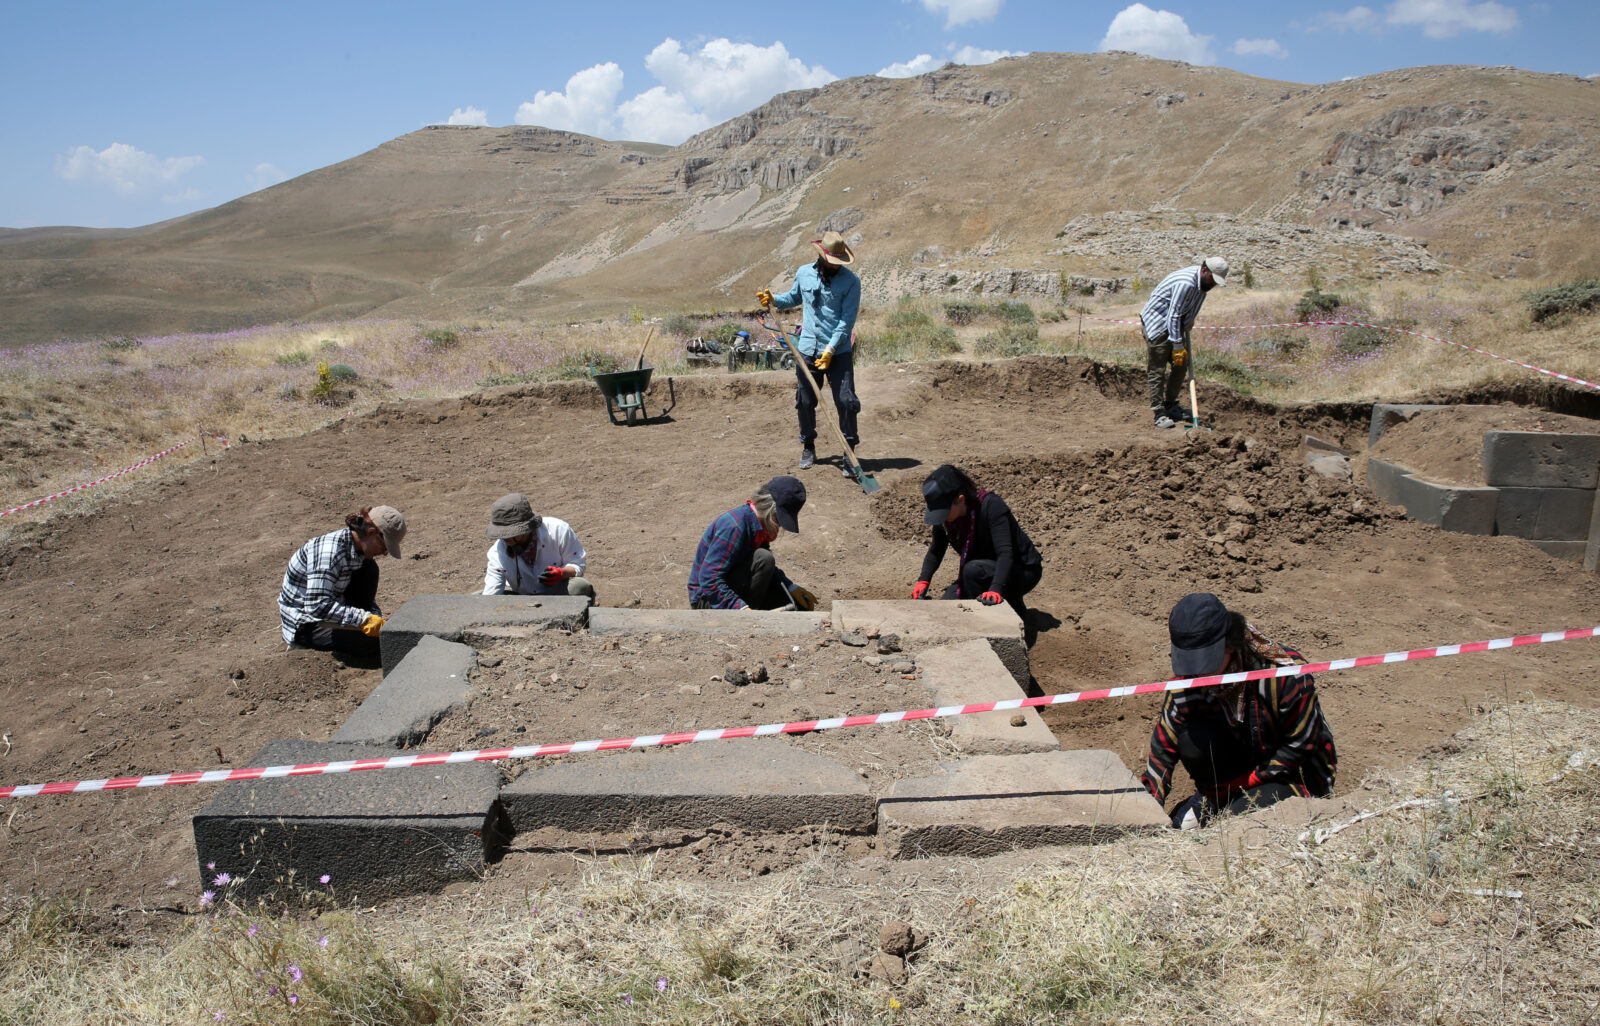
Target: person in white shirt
(532, 555)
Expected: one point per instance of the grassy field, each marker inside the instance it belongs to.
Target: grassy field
(1471, 896)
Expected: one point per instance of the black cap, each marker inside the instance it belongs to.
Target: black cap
(1198, 626)
(940, 491)
(790, 495)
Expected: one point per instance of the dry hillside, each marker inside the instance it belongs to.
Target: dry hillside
(1105, 165)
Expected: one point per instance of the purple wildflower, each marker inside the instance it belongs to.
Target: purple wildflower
(627, 999)
(272, 991)
(324, 878)
(661, 985)
(322, 942)
(294, 973)
(211, 865)
(222, 880)
(219, 1016)
(294, 999)
(206, 898)
(252, 931)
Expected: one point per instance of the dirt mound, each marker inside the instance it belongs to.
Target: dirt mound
(1446, 446)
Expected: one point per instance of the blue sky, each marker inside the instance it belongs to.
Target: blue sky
(124, 113)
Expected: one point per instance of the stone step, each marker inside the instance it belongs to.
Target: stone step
(970, 672)
(377, 833)
(932, 622)
(990, 804)
(1541, 459)
(762, 784)
(1451, 507)
(449, 616)
(433, 679)
(609, 620)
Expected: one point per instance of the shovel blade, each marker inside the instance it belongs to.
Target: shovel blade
(868, 483)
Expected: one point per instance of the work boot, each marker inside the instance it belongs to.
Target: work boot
(1163, 421)
(808, 457)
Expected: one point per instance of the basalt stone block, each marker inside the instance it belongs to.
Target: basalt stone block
(449, 616)
(970, 672)
(996, 803)
(1591, 555)
(925, 622)
(1545, 514)
(762, 784)
(1541, 459)
(610, 620)
(1576, 551)
(376, 833)
(1452, 507)
(432, 679)
(1385, 479)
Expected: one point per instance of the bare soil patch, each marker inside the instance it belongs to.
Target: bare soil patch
(120, 629)
(1446, 446)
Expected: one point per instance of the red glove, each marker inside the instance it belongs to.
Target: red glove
(1253, 780)
(990, 598)
(919, 589)
(553, 575)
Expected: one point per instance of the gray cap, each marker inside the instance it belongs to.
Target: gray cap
(511, 515)
(391, 525)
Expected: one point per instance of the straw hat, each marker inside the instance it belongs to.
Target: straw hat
(833, 249)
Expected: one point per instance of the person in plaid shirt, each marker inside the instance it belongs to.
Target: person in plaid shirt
(329, 599)
(1245, 745)
(733, 566)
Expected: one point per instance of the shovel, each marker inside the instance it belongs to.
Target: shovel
(853, 467)
(1194, 402)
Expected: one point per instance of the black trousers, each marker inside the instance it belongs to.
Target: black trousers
(362, 593)
(841, 377)
(978, 574)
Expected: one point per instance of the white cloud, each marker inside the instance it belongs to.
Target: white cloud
(959, 12)
(725, 78)
(187, 197)
(588, 105)
(1444, 19)
(1157, 34)
(469, 116)
(976, 55)
(1438, 19)
(658, 115)
(1259, 48)
(126, 169)
(921, 64)
(264, 174)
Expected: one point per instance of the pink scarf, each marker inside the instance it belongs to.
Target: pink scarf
(961, 534)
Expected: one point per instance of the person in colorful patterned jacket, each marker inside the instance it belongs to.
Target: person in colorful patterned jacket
(1246, 745)
(733, 565)
(329, 599)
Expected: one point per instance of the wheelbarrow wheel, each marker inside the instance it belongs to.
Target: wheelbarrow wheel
(787, 363)
(635, 415)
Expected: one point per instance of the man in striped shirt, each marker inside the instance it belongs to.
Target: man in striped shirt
(1168, 317)
(1245, 745)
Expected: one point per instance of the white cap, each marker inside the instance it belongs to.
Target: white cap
(1218, 268)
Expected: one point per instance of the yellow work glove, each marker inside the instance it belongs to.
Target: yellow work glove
(1180, 357)
(765, 297)
(824, 358)
(803, 599)
(373, 625)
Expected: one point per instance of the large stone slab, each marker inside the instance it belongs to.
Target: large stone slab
(1541, 459)
(1452, 507)
(448, 616)
(1554, 514)
(971, 672)
(995, 803)
(610, 620)
(1576, 551)
(934, 621)
(432, 679)
(1385, 479)
(762, 784)
(376, 833)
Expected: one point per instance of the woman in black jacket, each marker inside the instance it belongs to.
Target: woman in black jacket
(998, 562)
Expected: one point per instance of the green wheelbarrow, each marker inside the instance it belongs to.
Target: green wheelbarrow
(625, 394)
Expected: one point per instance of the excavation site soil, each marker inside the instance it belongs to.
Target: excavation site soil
(144, 638)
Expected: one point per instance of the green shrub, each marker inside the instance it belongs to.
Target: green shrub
(1228, 369)
(324, 391)
(951, 279)
(960, 312)
(496, 380)
(1314, 301)
(681, 325)
(576, 365)
(917, 342)
(122, 343)
(1010, 340)
(328, 345)
(342, 372)
(1052, 316)
(725, 331)
(907, 314)
(288, 391)
(294, 358)
(1561, 301)
(1248, 276)
(1279, 342)
(1359, 340)
(1014, 312)
(440, 339)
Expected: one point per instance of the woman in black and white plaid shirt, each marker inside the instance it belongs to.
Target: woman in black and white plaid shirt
(329, 599)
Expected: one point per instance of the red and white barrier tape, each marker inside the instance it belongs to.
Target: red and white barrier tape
(1384, 327)
(803, 726)
(109, 477)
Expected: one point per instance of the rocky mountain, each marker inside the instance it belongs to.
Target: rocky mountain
(1030, 174)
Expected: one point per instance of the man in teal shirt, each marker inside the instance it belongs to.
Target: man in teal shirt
(830, 294)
